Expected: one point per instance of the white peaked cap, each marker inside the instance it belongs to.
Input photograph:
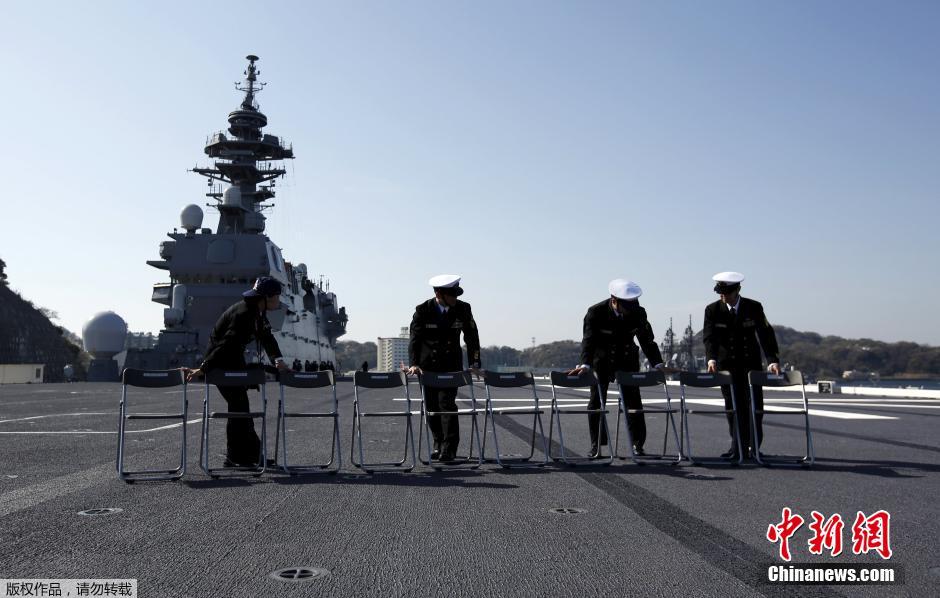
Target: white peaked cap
(728, 277)
(444, 280)
(622, 288)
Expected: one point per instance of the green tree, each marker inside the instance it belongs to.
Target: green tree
(351, 354)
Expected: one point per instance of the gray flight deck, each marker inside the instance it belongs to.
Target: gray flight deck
(645, 530)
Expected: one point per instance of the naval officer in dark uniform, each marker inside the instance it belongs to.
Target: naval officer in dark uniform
(607, 346)
(238, 326)
(735, 331)
(435, 346)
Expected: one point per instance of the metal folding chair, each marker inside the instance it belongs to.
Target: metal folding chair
(151, 379)
(513, 380)
(235, 378)
(584, 380)
(307, 380)
(642, 380)
(450, 380)
(378, 380)
(698, 380)
(765, 379)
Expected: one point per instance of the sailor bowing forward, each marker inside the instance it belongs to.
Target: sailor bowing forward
(733, 327)
(240, 325)
(607, 346)
(435, 346)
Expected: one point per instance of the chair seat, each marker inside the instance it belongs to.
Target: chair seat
(386, 414)
(311, 414)
(775, 412)
(653, 411)
(155, 416)
(235, 414)
(517, 411)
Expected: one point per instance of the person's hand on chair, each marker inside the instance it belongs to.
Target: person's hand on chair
(577, 371)
(192, 374)
(712, 366)
(413, 371)
(774, 368)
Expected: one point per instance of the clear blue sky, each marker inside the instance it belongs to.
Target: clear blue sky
(537, 148)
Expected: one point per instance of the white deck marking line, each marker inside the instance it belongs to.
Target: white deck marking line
(850, 404)
(812, 411)
(22, 419)
(773, 403)
(167, 427)
(34, 494)
(812, 396)
(547, 406)
(542, 400)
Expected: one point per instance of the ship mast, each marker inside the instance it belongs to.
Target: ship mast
(243, 162)
(669, 345)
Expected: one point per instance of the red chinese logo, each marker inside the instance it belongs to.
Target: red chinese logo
(869, 534)
(784, 530)
(826, 535)
(872, 534)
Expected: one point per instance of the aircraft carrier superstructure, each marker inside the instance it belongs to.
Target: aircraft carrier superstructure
(210, 270)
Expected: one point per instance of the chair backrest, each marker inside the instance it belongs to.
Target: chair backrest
(762, 378)
(701, 380)
(380, 379)
(153, 378)
(585, 379)
(252, 377)
(508, 379)
(306, 379)
(652, 378)
(445, 379)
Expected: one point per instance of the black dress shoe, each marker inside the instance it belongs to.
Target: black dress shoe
(447, 456)
(595, 452)
(230, 463)
(638, 451)
(435, 455)
(731, 454)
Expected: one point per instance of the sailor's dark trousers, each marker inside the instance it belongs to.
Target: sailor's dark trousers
(243, 444)
(742, 396)
(635, 421)
(444, 428)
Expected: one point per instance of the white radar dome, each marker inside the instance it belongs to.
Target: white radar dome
(191, 217)
(232, 197)
(104, 335)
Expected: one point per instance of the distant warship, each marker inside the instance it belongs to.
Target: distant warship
(209, 271)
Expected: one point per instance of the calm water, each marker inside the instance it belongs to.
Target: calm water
(926, 384)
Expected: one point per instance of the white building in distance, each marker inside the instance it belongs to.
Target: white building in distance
(392, 352)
